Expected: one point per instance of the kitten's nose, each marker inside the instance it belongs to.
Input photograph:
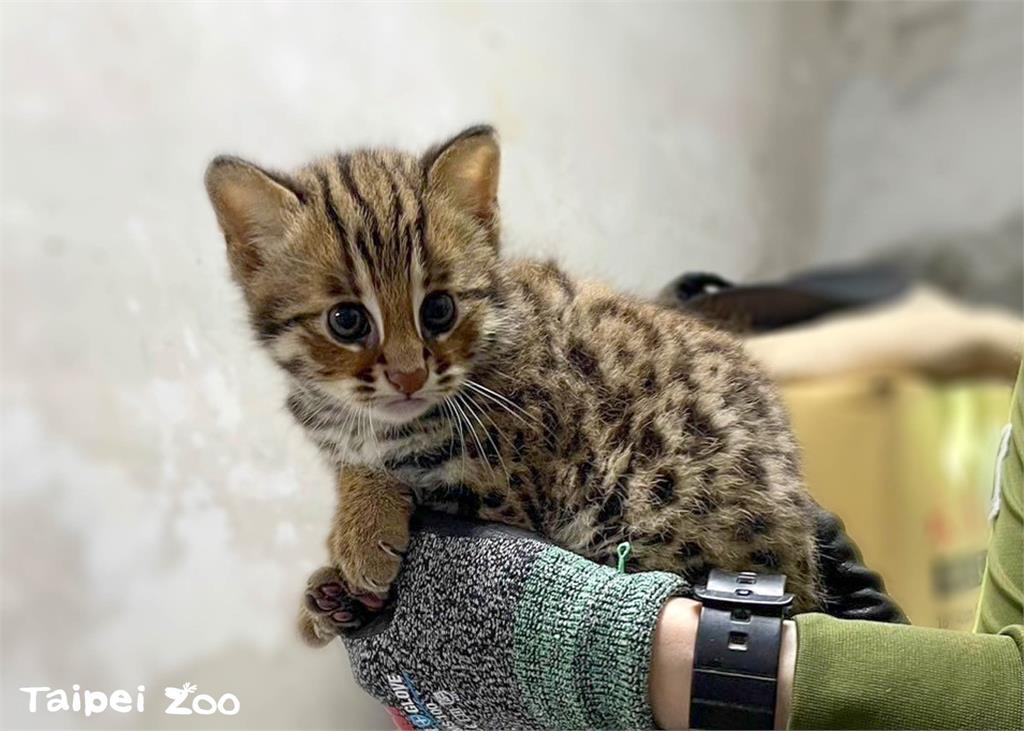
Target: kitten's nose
(408, 382)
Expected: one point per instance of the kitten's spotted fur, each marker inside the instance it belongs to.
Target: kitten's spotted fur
(551, 404)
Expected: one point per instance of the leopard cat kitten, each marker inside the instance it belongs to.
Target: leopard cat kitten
(431, 371)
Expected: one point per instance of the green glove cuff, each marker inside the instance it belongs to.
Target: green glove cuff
(583, 638)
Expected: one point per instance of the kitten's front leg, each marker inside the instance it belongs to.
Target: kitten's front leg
(370, 530)
(369, 534)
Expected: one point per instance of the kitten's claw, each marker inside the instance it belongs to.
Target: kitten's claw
(375, 587)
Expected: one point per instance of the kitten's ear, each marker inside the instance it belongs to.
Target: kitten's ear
(466, 168)
(253, 208)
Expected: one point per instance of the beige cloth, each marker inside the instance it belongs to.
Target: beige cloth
(924, 331)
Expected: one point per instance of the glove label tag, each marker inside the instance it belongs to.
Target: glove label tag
(413, 711)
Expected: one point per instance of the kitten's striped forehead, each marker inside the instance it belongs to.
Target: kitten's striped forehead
(374, 204)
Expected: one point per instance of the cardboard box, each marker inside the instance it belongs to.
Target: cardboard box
(907, 464)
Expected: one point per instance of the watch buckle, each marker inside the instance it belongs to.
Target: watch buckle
(729, 588)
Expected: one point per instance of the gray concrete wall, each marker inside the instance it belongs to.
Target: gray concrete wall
(924, 130)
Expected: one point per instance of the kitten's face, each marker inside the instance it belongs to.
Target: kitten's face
(370, 276)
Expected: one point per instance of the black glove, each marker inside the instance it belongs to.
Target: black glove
(852, 590)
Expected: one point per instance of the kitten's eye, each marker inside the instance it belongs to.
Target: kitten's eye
(348, 323)
(437, 312)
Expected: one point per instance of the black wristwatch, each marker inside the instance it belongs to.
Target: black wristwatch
(736, 658)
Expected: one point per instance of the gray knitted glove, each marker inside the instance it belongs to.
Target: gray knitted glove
(492, 628)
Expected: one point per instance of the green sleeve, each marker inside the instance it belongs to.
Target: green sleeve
(1002, 587)
(867, 675)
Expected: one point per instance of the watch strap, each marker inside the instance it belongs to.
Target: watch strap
(736, 657)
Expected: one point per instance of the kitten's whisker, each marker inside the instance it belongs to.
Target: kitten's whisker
(443, 406)
(357, 431)
(530, 420)
(451, 446)
(505, 400)
(453, 425)
(494, 394)
(346, 429)
(311, 419)
(462, 441)
(360, 422)
(472, 431)
(474, 405)
(373, 431)
(326, 413)
(371, 437)
(473, 409)
(449, 416)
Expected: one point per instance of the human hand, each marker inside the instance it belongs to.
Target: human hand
(493, 628)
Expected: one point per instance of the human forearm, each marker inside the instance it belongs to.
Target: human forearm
(851, 674)
(672, 663)
(672, 666)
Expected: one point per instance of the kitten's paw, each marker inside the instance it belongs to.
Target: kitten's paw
(330, 608)
(369, 556)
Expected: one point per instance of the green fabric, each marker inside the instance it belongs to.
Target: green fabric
(860, 675)
(1002, 587)
(605, 623)
(868, 675)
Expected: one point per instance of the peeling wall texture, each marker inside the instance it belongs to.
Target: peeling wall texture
(160, 510)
